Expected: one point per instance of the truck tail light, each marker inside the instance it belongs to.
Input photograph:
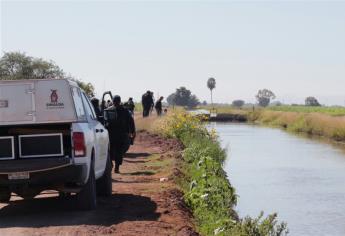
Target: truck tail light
(79, 144)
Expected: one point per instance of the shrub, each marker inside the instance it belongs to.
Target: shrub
(238, 103)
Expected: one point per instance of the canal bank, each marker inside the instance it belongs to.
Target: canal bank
(207, 190)
(275, 171)
(314, 124)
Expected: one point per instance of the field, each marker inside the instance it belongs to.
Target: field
(333, 111)
(228, 109)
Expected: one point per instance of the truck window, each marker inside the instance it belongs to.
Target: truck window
(78, 103)
(89, 107)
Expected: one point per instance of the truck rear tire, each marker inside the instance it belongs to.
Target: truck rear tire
(5, 196)
(87, 197)
(104, 184)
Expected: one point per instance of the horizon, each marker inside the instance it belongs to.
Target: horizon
(295, 48)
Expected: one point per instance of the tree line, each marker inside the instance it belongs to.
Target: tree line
(184, 97)
(18, 66)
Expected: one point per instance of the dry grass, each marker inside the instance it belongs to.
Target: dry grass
(332, 127)
(149, 124)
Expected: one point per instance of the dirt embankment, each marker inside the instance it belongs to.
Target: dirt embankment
(145, 201)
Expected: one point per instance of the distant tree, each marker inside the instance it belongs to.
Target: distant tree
(211, 84)
(183, 97)
(312, 101)
(264, 97)
(238, 103)
(87, 87)
(277, 103)
(204, 103)
(193, 101)
(171, 99)
(19, 66)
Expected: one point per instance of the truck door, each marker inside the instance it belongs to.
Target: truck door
(100, 134)
(16, 102)
(104, 104)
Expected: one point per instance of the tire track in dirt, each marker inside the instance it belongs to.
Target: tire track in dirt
(142, 203)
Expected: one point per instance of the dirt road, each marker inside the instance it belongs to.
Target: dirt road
(144, 202)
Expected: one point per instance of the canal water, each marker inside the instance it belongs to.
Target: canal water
(301, 179)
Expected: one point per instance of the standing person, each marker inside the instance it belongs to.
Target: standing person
(151, 102)
(120, 124)
(159, 107)
(130, 105)
(95, 104)
(145, 101)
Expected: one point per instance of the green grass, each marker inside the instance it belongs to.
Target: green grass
(156, 161)
(207, 190)
(334, 111)
(138, 107)
(228, 109)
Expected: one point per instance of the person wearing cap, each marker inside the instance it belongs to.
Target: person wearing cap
(121, 127)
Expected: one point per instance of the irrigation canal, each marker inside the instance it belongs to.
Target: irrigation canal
(301, 179)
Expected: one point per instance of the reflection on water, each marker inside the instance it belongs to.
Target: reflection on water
(303, 180)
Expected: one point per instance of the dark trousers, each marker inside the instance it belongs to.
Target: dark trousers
(146, 112)
(118, 149)
(159, 111)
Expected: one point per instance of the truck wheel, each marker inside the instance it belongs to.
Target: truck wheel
(87, 197)
(104, 184)
(5, 196)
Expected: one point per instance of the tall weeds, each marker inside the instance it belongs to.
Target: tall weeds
(332, 127)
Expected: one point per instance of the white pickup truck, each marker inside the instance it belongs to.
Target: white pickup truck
(50, 139)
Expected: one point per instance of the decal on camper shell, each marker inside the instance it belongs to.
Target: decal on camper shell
(54, 101)
(3, 103)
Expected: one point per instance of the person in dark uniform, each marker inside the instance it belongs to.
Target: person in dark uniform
(130, 105)
(159, 107)
(95, 104)
(121, 127)
(151, 102)
(145, 101)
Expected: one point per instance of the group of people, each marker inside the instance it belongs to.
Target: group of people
(118, 118)
(148, 104)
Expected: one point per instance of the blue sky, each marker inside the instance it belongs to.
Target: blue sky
(295, 48)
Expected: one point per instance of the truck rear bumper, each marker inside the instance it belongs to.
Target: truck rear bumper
(43, 173)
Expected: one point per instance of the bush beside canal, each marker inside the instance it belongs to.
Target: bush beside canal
(207, 190)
